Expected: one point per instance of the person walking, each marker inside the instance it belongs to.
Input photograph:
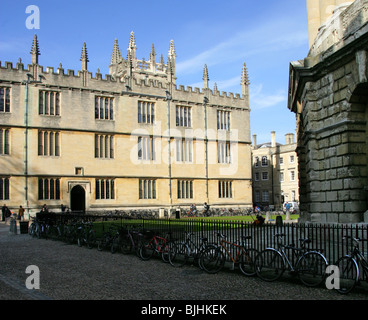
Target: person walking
(287, 208)
(206, 209)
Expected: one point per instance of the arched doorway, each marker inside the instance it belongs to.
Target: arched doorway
(359, 112)
(78, 199)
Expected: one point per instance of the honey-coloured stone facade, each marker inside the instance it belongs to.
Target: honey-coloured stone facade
(96, 143)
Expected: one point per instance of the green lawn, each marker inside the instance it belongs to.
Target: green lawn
(245, 218)
(191, 224)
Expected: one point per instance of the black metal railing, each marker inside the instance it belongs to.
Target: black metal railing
(327, 238)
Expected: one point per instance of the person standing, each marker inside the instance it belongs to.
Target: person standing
(21, 213)
(5, 212)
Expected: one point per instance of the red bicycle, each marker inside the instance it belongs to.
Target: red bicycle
(156, 245)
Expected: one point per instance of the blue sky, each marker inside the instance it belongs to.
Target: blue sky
(265, 34)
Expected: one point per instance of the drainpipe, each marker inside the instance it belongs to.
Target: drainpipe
(205, 101)
(27, 82)
(169, 98)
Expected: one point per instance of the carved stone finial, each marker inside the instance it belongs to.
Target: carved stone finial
(35, 51)
(205, 77)
(84, 57)
(245, 78)
(116, 55)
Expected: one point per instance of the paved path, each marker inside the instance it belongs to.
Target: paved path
(68, 272)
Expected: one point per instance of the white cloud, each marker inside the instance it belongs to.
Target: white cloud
(259, 100)
(275, 36)
(222, 85)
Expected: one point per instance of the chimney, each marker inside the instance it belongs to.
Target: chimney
(254, 141)
(273, 139)
(289, 138)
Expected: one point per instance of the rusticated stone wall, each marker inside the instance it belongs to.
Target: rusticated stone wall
(328, 91)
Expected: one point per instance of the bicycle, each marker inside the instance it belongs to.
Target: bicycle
(310, 265)
(158, 245)
(106, 239)
(38, 228)
(348, 265)
(118, 238)
(86, 235)
(182, 251)
(32, 228)
(71, 232)
(131, 242)
(55, 230)
(192, 214)
(214, 257)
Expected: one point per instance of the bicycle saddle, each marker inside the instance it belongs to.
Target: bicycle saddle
(246, 237)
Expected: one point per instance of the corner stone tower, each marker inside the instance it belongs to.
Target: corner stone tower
(318, 12)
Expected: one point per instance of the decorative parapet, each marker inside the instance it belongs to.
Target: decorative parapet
(127, 76)
(348, 22)
(72, 79)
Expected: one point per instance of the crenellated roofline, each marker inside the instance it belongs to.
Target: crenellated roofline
(139, 77)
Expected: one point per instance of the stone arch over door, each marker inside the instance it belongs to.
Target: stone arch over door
(359, 136)
(78, 198)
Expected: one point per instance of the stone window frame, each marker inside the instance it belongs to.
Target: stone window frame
(104, 146)
(4, 141)
(4, 188)
(225, 189)
(104, 108)
(5, 101)
(185, 189)
(49, 103)
(147, 189)
(49, 189)
(264, 161)
(48, 143)
(104, 189)
(146, 112)
(183, 116)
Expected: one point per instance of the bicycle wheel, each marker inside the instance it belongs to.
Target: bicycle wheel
(126, 245)
(198, 255)
(166, 247)
(311, 268)
(146, 250)
(91, 239)
(348, 274)
(79, 240)
(212, 260)
(269, 265)
(38, 231)
(179, 254)
(69, 234)
(101, 243)
(246, 262)
(32, 229)
(115, 243)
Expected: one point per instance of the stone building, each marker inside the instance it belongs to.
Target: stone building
(328, 93)
(275, 171)
(101, 143)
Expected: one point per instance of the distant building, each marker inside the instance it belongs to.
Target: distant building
(328, 92)
(275, 171)
(101, 143)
